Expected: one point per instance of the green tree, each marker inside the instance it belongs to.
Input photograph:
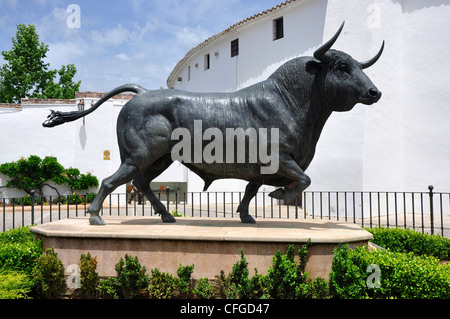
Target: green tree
(27, 75)
(65, 88)
(77, 181)
(33, 173)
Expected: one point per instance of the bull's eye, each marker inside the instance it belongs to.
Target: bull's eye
(343, 67)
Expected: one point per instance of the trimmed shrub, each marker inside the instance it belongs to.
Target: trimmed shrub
(287, 279)
(408, 240)
(162, 285)
(132, 278)
(88, 276)
(108, 288)
(183, 281)
(204, 289)
(48, 275)
(19, 250)
(401, 275)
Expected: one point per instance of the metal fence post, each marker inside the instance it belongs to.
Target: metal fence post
(168, 191)
(431, 209)
(32, 206)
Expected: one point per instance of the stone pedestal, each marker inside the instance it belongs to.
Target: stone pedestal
(210, 244)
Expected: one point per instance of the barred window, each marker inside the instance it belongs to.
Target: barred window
(235, 48)
(207, 62)
(278, 29)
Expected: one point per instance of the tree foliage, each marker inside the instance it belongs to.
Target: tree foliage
(33, 173)
(27, 75)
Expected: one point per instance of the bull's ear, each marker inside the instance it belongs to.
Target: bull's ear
(313, 67)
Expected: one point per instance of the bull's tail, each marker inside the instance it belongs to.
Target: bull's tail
(58, 118)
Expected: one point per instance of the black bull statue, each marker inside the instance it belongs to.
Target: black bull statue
(297, 99)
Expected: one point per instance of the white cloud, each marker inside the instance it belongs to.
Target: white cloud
(115, 36)
(122, 56)
(191, 36)
(134, 41)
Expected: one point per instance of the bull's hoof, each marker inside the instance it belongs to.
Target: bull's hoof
(168, 218)
(247, 219)
(96, 220)
(278, 194)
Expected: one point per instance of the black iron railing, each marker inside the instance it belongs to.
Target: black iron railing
(424, 211)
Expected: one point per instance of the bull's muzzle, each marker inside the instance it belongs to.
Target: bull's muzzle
(372, 96)
(375, 94)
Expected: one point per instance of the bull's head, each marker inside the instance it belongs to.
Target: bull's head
(342, 76)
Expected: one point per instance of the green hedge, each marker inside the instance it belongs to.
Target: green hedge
(19, 250)
(407, 240)
(401, 275)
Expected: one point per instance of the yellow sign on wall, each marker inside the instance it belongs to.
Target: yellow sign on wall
(106, 155)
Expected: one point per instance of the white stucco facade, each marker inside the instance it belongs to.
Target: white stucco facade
(77, 144)
(400, 143)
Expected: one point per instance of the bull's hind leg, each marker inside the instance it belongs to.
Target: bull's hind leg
(124, 174)
(142, 182)
(250, 191)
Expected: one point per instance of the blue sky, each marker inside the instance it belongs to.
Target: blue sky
(128, 41)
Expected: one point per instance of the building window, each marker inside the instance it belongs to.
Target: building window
(235, 48)
(189, 73)
(207, 62)
(278, 29)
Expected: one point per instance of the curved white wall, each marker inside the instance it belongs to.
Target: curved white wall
(401, 143)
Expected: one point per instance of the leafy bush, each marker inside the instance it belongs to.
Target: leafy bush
(132, 278)
(184, 279)
(402, 275)
(162, 285)
(204, 289)
(407, 240)
(286, 277)
(316, 289)
(88, 276)
(73, 178)
(26, 201)
(259, 286)
(108, 288)
(14, 285)
(16, 235)
(48, 275)
(19, 250)
(74, 199)
(239, 284)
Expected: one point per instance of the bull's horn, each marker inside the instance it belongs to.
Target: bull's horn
(372, 61)
(320, 52)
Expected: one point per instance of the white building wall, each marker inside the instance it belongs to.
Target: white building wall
(22, 135)
(74, 144)
(398, 144)
(426, 93)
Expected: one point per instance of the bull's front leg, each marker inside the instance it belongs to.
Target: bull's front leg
(288, 168)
